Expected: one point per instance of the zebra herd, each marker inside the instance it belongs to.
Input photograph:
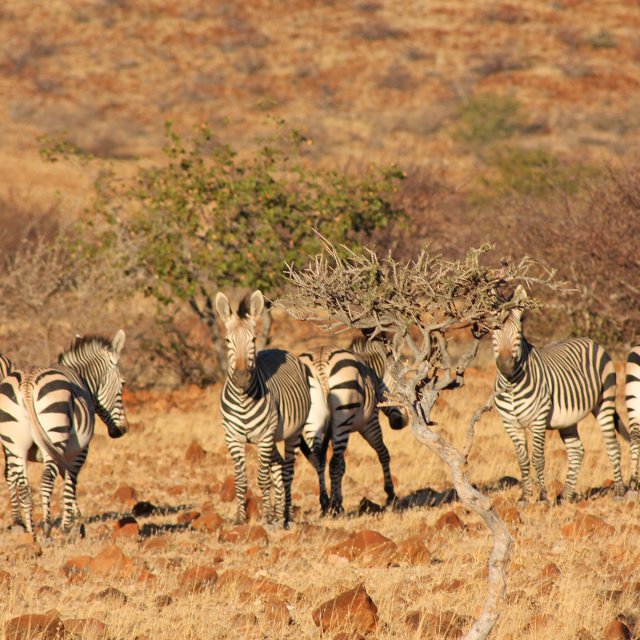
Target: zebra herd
(320, 397)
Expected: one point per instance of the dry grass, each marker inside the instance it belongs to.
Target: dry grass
(591, 588)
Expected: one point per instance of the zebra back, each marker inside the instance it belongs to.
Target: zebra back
(374, 355)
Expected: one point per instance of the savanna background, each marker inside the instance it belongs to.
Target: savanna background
(396, 126)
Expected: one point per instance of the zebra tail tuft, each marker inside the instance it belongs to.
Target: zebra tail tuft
(621, 427)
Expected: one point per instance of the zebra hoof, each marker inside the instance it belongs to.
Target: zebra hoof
(82, 531)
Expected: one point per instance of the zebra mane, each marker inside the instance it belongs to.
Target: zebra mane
(84, 346)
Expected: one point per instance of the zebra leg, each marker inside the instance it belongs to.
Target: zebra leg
(276, 474)
(635, 451)
(265, 453)
(519, 439)
(23, 492)
(337, 467)
(605, 415)
(237, 453)
(46, 487)
(538, 436)
(575, 453)
(290, 447)
(16, 516)
(373, 435)
(71, 510)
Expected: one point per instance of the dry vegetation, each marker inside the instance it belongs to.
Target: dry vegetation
(366, 82)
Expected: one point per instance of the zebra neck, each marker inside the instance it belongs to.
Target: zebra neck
(522, 369)
(248, 389)
(79, 376)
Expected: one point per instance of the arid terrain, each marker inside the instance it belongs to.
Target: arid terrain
(368, 82)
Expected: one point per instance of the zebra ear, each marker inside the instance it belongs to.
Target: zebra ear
(520, 294)
(222, 307)
(256, 304)
(117, 343)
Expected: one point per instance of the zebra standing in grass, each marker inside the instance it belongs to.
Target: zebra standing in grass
(553, 388)
(345, 390)
(51, 412)
(632, 400)
(265, 399)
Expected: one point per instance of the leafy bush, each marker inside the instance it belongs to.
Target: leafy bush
(487, 118)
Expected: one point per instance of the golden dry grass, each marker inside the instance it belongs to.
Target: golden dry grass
(596, 579)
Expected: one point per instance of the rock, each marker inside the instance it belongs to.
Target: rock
(381, 555)
(162, 600)
(46, 626)
(195, 453)
(76, 568)
(277, 613)
(244, 622)
(356, 543)
(353, 609)
(155, 544)
(126, 529)
(414, 551)
(348, 635)
(110, 561)
(253, 508)
(5, 578)
(198, 579)
(243, 533)
(86, 628)
(616, 630)
(187, 517)
(449, 521)
(208, 522)
(446, 624)
(584, 634)
(240, 582)
(550, 571)
(111, 595)
(228, 490)
(585, 524)
(125, 493)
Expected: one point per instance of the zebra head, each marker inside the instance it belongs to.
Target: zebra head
(110, 406)
(240, 337)
(508, 341)
(96, 361)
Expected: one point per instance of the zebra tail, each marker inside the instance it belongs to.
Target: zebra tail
(621, 427)
(39, 434)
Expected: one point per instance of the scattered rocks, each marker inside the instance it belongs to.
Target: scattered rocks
(228, 490)
(126, 528)
(243, 533)
(110, 561)
(111, 595)
(414, 551)
(353, 609)
(277, 613)
(125, 493)
(449, 521)
(616, 630)
(585, 524)
(356, 543)
(47, 626)
(86, 628)
(208, 522)
(195, 453)
(76, 568)
(198, 579)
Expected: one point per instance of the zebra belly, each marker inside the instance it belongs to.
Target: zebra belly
(561, 417)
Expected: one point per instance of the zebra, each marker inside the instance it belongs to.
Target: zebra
(265, 399)
(48, 414)
(345, 390)
(553, 388)
(632, 401)
(6, 366)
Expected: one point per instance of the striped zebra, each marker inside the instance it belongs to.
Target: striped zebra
(48, 413)
(345, 391)
(265, 399)
(554, 388)
(6, 366)
(632, 400)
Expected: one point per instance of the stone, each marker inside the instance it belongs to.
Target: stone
(348, 635)
(585, 524)
(414, 551)
(277, 613)
(187, 517)
(125, 493)
(76, 567)
(198, 579)
(550, 571)
(243, 533)
(110, 561)
(208, 522)
(353, 609)
(446, 624)
(228, 490)
(111, 595)
(449, 521)
(356, 543)
(5, 578)
(195, 453)
(381, 555)
(127, 531)
(162, 600)
(86, 628)
(616, 630)
(46, 626)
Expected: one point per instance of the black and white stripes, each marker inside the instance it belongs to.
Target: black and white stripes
(50, 412)
(553, 388)
(265, 399)
(632, 401)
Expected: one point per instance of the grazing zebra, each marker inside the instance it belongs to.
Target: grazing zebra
(265, 399)
(50, 412)
(6, 366)
(553, 388)
(345, 392)
(632, 400)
